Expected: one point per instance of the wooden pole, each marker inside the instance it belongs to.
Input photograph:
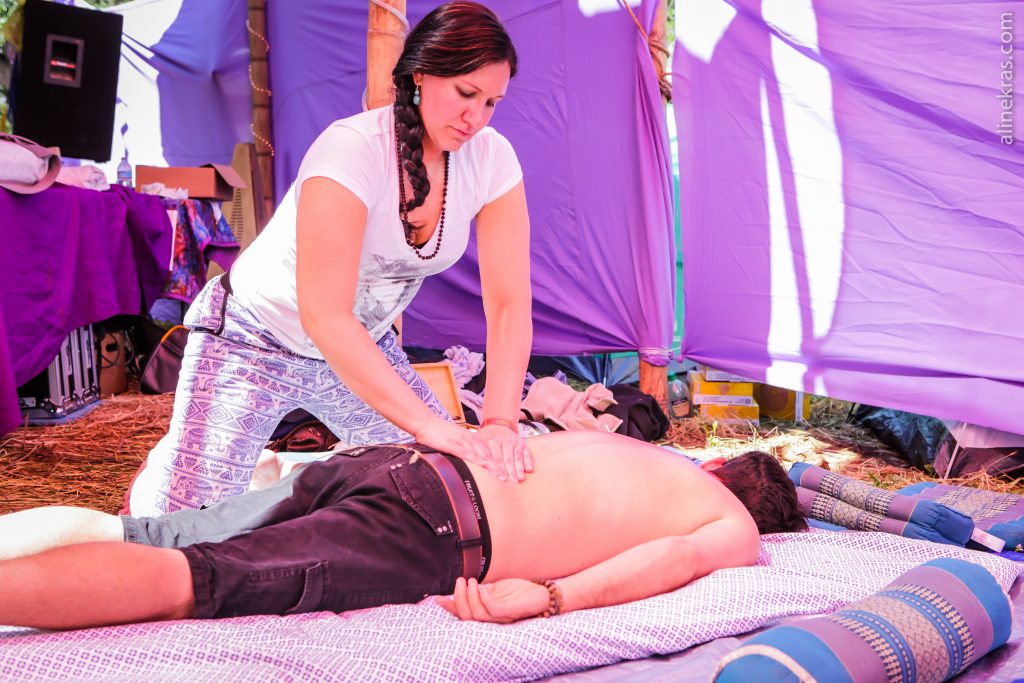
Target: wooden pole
(385, 36)
(259, 77)
(654, 379)
(654, 382)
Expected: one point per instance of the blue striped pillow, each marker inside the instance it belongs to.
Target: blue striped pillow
(931, 623)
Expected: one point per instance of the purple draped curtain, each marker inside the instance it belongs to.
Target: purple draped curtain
(851, 214)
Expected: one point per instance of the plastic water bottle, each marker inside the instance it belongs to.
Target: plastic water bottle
(678, 399)
(124, 172)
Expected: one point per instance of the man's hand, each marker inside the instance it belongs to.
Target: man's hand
(503, 454)
(501, 602)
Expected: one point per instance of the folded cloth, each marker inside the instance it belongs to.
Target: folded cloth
(825, 508)
(1000, 514)
(929, 624)
(549, 399)
(530, 379)
(26, 167)
(87, 177)
(948, 523)
(20, 165)
(163, 191)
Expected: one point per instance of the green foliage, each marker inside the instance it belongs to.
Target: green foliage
(712, 440)
(6, 7)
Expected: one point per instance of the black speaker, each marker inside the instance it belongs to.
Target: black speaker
(67, 78)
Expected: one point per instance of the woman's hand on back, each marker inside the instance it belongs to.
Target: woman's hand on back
(509, 449)
(497, 449)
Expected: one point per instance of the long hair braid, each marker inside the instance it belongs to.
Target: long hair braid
(409, 133)
(454, 39)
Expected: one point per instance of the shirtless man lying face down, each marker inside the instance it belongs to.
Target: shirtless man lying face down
(603, 519)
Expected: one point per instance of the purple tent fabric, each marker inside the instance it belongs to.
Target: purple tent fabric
(589, 130)
(851, 218)
(73, 257)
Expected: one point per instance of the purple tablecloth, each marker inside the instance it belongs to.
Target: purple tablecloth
(71, 257)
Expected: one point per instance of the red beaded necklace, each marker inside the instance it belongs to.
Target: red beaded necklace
(403, 208)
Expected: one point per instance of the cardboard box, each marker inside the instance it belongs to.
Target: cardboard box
(210, 181)
(783, 404)
(713, 375)
(729, 413)
(441, 380)
(720, 393)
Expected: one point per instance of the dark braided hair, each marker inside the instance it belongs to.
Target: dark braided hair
(454, 39)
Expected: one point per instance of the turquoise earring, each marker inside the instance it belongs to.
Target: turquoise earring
(416, 96)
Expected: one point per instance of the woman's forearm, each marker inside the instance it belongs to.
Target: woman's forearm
(361, 365)
(509, 340)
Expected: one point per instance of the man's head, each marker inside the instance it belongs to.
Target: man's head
(761, 484)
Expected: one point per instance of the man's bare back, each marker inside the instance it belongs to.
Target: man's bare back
(592, 496)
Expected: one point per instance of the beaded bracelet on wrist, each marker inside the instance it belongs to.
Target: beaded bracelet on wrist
(554, 598)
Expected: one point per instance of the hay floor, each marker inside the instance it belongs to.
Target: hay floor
(90, 461)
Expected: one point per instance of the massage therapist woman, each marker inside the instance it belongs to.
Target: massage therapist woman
(382, 200)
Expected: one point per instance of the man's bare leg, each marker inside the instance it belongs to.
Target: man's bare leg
(32, 531)
(95, 584)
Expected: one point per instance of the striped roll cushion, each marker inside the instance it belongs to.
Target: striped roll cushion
(927, 516)
(929, 624)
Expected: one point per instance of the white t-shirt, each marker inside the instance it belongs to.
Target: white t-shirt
(359, 153)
